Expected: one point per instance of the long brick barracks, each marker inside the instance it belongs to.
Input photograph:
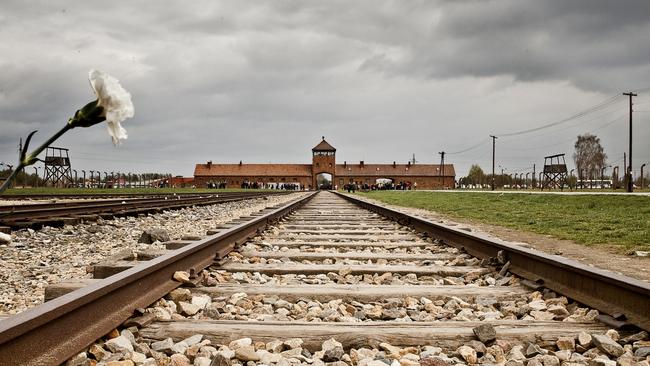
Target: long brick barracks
(427, 176)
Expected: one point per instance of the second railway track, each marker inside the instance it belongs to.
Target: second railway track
(62, 213)
(333, 283)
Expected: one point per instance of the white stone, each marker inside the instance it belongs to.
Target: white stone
(180, 347)
(5, 238)
(195, 339)
(202, 361)
(138, 358)
(242, 342)
(202, 301)
(188, 308)
(119, 344)
(468, 354)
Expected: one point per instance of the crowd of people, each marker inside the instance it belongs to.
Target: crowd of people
(262, 185)
(350, 187)
(384, 186)
(217, 185)
(256, 185)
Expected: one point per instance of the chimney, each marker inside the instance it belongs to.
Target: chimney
(209, 163)
(361, 163)
(394, 165)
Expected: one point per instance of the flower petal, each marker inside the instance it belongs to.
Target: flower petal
(114, 99)
(116, 131)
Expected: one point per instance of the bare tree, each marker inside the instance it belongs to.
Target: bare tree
(589, 156)
(475, 175)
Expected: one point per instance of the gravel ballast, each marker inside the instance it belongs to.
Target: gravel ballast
(34, 259)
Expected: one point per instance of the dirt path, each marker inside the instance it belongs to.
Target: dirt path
(602, 256)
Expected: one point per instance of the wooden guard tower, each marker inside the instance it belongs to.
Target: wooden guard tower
(555, 172)
(57, 167)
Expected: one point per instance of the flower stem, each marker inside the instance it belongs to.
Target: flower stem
(31, 158)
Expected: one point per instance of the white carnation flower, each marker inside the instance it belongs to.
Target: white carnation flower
(115, 101)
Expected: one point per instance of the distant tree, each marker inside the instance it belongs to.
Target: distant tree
(475, 175)
(589, 156)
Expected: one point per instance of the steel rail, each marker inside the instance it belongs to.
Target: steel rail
(99, 202)
(625, 299)
(57, 330)
(35, 212)
(90, 195)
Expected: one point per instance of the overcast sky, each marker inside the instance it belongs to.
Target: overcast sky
(263, 81)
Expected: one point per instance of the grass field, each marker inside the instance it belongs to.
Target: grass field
(82, 191)
(619, 221)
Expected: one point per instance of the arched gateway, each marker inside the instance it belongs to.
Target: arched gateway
(323, 164)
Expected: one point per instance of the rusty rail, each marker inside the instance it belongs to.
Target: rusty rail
(625, 299)
(11, 214)
(55, 331)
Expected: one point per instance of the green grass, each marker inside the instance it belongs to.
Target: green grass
(619, 221)
(88, 191)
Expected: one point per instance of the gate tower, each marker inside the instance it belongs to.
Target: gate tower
(323, 161)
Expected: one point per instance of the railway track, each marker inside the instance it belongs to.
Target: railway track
(92, 195)
(325, 281)
(62, 213)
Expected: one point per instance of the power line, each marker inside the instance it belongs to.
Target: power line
(597, 107)
(483, 142)
(574, 125)
(598, 128)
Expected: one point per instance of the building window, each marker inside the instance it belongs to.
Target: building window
(323, 153)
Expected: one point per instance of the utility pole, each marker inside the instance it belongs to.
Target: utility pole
(20, 151)
(625, 170)
(630, 184)
(442, 167)
(494, 139)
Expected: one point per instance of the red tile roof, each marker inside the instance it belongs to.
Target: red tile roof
(305, 170)
(252, 170)
(386, 170)
(323, 146)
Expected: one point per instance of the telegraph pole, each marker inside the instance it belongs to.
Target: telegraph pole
(494, 139)
(442, 167)
(630, 184)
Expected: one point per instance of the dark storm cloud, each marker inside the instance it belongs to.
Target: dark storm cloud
(262, 81)
(530, 40)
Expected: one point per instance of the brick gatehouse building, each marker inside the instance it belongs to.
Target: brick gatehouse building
(427, 176)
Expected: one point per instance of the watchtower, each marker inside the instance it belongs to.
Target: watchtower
(323, 161)
(555, 172)
(57, 167)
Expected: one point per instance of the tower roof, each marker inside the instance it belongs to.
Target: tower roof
(323, 146)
